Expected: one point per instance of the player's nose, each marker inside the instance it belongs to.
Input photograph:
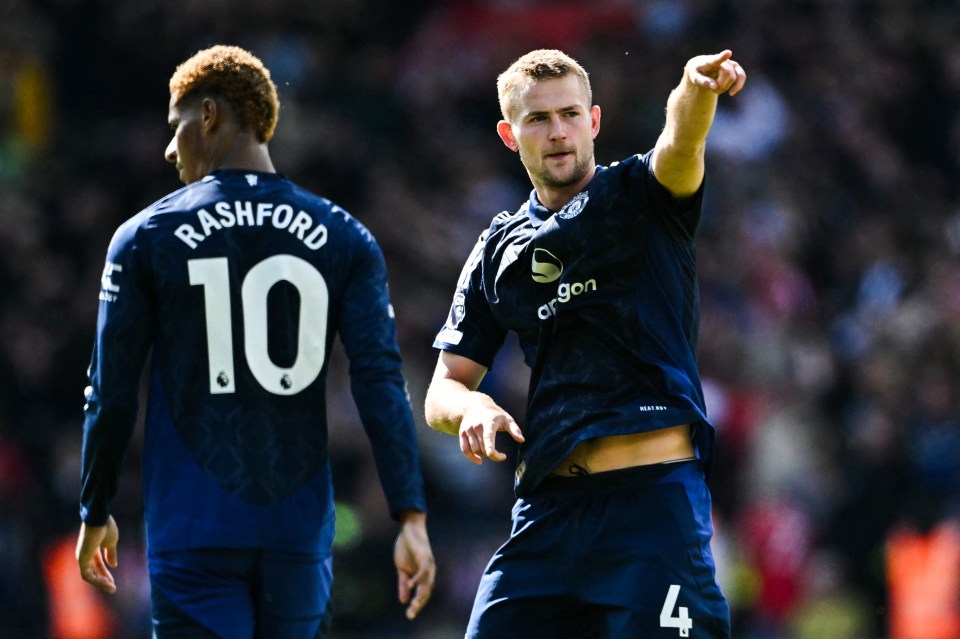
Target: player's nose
(170, 154)
(557, 129)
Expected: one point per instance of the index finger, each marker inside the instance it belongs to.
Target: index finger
(514, 429)
(719, 58)
(708, 65)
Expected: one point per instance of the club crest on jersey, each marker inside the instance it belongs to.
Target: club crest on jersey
(573, 208)
(545, 267)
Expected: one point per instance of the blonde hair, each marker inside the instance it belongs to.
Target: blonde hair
(541, 64)
(237, 76)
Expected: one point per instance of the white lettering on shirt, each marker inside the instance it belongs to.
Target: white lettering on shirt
(301, 224)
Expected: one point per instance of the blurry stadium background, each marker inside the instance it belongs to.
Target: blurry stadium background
(830, 280)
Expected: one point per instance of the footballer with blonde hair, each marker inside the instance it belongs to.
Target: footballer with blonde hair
(596, 274)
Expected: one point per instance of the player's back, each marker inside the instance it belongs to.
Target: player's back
(248, 275)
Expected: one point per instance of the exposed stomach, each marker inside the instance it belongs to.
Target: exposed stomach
(624, 451)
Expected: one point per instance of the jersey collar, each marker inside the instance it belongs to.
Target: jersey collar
(536, 211)
(539, 214)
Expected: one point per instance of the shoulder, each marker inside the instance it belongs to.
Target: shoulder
(502, 219)
(507, 222)
(330, 213)
(634, 178)
(638, 166)
(311, 199)
(183, 199)
(139, 224)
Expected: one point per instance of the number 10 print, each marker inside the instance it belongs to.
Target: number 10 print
(213, 275)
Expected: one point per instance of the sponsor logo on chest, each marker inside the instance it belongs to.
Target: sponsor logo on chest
(545, 268)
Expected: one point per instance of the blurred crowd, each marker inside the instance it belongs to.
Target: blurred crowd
(829, 256)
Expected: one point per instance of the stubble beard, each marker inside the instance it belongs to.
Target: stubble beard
(550, 179)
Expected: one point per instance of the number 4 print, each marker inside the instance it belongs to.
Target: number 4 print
(682, 621)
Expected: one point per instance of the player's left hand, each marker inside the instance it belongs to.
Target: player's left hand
(718, 73)
(416, 569)
(97, 549)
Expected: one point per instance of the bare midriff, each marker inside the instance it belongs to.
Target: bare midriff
(625, 451)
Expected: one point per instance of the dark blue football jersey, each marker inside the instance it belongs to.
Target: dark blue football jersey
(603, 297)
(238, 284)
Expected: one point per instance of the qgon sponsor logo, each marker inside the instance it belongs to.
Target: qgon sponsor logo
(565, 292)
(545, 267)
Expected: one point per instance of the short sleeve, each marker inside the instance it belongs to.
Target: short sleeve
(681, 216)
(471, 330)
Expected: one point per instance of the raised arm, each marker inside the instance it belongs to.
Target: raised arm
(678, 160)
(454, 406)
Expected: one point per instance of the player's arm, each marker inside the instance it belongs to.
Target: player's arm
(678, 158)
(125, 327)
(454, 406)
(368, 333)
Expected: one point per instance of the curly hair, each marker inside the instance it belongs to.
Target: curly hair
(235, 75)
(541, 64)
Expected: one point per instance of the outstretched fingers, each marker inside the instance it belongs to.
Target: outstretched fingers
(505, 423)
(478, 440)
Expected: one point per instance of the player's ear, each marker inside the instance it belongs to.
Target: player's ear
(594, 120)
(210, 114)
(505, 131)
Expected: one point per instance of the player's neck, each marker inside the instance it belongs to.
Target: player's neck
(248, 155)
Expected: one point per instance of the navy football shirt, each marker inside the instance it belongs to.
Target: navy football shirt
(239, 283)
(603, 297)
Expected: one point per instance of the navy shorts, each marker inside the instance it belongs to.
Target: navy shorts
(620, 554)
(240, 594)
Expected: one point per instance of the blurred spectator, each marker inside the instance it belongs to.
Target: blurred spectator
(923, 574)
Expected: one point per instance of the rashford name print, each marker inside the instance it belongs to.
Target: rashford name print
(281, 217)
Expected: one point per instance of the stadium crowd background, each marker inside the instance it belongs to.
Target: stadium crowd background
(829, 262)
